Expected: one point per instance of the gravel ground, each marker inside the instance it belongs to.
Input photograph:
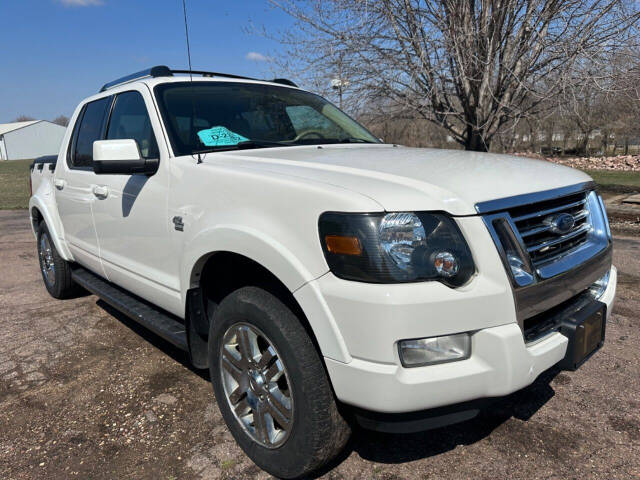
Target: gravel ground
(626, 163)
(86, 393)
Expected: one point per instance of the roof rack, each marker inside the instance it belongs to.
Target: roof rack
(284, 81)
(164, 71)
(157, 71)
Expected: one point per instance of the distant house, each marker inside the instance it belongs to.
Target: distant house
(21, 140)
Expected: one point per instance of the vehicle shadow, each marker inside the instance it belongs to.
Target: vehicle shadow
(158, 342)
(130, 193)
(400, 448)
(397, 448)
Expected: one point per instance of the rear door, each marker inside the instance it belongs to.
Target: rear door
(131, 216)
(74, 185)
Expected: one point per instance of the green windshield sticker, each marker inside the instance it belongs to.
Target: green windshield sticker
(220, 136)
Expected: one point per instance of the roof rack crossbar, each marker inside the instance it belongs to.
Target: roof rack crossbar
(282, 81)
(157, 71)
(164, 71)
(214, 74)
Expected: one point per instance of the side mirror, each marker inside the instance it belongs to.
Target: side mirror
(121, 157)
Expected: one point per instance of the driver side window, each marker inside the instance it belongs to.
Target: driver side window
(130, 120)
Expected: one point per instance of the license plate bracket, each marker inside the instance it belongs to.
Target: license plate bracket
(585, 330)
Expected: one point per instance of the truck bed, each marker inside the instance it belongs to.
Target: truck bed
(40, 167)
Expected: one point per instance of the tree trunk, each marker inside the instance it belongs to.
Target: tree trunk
(475, 141)
(583, 144)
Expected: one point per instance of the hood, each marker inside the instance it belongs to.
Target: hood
(403, 178)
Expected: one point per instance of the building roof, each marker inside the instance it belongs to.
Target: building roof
(8, 127)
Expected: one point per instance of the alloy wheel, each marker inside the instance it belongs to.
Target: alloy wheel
(256, 385)
(47, 264)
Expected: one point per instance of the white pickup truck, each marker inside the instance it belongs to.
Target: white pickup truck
(323, 276)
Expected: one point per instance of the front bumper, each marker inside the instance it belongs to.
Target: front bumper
(501, 363)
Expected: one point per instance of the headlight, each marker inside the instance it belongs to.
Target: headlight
(395, 247)
(400, 234)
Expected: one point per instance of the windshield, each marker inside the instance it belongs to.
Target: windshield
(208, 116)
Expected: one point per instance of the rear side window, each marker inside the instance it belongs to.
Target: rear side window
(91, 129)
(130, 120)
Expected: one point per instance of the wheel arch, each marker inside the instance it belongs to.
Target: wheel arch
(217, 273)
(39, 212)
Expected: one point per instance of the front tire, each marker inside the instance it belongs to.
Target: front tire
(271, 386)
(56, 272)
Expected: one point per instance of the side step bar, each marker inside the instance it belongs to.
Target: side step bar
(149, 316)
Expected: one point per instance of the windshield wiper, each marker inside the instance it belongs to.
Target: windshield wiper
(262, 143)
(249, 144)
(329, 141)
(245, 145)
(354, 140)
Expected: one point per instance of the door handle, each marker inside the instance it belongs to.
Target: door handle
(59, 183)
(100, 191)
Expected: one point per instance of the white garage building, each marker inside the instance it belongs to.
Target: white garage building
(21, 140)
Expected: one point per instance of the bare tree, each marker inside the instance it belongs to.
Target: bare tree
(62, 120)
(471, 66)
(23, 118)
(600, 97)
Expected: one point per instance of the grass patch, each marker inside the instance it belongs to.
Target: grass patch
(227, 464)
(14, 184)
(615, 181)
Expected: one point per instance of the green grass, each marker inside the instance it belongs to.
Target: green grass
(227, 464)
(616, 181)
(14, 184)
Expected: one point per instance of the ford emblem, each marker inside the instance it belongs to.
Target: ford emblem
(561, 223)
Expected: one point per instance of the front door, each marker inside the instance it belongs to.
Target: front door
(74, 185)
(131, 212)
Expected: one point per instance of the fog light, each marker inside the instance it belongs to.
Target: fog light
(434, 350)
(599, 286)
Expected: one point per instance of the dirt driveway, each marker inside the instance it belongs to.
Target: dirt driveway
(86, 393)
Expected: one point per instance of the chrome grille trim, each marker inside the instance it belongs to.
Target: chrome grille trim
(535, 230)
(554, 263)
(538, 234)
(549, 211)
(529, 198)
(568, 236)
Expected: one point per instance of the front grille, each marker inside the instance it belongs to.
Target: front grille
(534, 224)
(553, 244)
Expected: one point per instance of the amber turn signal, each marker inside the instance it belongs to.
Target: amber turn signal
(343, 245)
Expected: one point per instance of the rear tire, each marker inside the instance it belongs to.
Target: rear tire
(56, 272)
(260, 358)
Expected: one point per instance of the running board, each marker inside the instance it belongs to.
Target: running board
(153, 318)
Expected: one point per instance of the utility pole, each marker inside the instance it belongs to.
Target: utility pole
(339, 83)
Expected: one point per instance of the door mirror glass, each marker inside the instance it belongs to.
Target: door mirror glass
(121, 156)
